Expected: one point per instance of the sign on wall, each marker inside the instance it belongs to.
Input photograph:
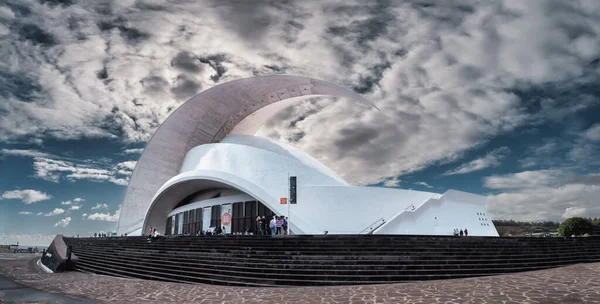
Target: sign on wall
(226, 217)
(293, 199)
(283, 201)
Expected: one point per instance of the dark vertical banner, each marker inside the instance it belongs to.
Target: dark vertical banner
(293, 190)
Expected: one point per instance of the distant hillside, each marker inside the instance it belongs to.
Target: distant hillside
(516, 228)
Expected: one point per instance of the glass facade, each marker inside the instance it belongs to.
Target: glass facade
(194, 221)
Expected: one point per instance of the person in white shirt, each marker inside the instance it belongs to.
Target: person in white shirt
(273, 225)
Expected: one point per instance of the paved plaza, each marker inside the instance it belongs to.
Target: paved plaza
(572, 284)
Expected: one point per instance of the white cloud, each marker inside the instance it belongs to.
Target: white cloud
(40, 213)
(574, 212)
(392, 182)
(84, 215)
(56, 211)
(491, 160)
(105, 216)
(79, 200)
(55, 168)
(593, 133)
(99, 206)
(424, 184)
(66, 203)
(26, 153)
(75, 207)
(64, 222)
(525, 180)
(25, 212)
(543, 195)
(28, 196)
(133, 151)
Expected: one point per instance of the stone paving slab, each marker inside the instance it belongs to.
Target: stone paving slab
(573, 284)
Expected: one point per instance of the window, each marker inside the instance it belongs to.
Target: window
(215, 220)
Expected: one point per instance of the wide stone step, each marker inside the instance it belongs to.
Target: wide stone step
(352, 260)
(344, 255)
(255, 279)
(337, 269)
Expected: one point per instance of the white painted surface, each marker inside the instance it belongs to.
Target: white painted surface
(260, 169)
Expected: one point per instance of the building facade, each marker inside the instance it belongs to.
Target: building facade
(205, 168)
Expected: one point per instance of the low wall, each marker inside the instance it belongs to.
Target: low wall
(56, 256)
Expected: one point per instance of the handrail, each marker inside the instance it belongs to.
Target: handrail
(369, 229)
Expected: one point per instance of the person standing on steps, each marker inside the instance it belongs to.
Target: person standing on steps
(461, 232)
(466, 232)
(279, 224)
(273, 225)
(258, 230)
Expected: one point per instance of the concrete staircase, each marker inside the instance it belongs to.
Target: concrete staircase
(325, 259)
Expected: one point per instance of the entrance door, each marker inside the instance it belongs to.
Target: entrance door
(206, 218)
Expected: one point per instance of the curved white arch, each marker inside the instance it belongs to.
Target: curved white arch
(187, 183)
(207, 118)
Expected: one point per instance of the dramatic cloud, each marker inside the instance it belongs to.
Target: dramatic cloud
(542, 195)
(26, 196)
(64, 222)
(444, 74)
(105, 216)
(25, 212)
(491, 160)
(56, 211)
(100, 206)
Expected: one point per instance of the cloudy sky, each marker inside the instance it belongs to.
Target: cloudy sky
(499, 98)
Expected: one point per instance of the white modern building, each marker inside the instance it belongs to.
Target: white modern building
(204, 167)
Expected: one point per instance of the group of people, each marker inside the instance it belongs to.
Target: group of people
(461, 232)
(152, 234)
(278, 225)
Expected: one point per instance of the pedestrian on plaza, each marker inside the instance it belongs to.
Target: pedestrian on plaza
(466, 232)
(461, 232)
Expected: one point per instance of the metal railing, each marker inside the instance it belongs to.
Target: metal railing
(369, 229)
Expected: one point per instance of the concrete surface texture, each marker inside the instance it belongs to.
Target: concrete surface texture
(572, 284)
